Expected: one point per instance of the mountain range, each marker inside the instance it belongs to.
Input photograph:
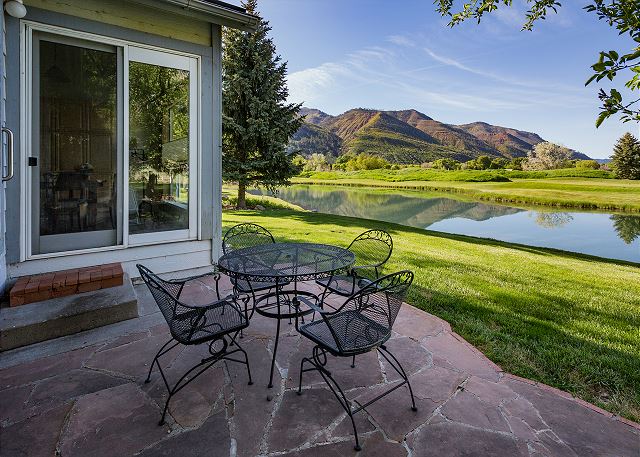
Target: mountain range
(407, 136)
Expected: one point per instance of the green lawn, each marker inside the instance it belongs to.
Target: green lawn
(572, 192)
(567, 320)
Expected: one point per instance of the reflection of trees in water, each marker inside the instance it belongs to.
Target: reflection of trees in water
(627, 227)
(394, 207)
(553, 220)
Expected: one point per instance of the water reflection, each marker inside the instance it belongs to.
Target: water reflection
(602, 234)
(403, 208)
(553, 220)
(627, 227)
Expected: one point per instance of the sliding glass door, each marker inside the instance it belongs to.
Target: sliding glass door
(75, 160)
(162, 146)
(112, 159)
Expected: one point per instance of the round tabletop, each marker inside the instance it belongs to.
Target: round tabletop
(286, 262)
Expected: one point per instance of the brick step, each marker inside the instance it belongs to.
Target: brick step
(35, 288)
(60, 316)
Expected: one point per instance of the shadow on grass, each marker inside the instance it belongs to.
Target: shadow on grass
(527, 344)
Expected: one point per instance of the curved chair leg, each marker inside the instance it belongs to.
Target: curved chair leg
(178, 386)
(342, 399)
(203, 366)
(246, 360)
(400, 370)
(155, 359)
(302, 370)
(317, 364)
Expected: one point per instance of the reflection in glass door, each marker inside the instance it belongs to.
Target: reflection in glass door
(74, 159)
(161, 144)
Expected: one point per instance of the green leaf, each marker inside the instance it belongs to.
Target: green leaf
(590, 80)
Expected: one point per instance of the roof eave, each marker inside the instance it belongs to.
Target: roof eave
(210, 12)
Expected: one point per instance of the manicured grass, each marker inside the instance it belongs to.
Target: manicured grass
(230, 197)
(586, 193)
(415, 173)
(566, 320)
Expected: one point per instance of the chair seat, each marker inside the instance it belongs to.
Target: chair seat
(344, 284)
(356, 332)
(247, 287)
(195, 327)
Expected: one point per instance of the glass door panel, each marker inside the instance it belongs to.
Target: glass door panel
(161, 145)
(74, 161)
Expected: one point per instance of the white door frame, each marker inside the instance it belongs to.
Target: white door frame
(26, 105)
(154, 57)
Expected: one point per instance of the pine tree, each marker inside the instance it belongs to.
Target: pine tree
(256, 120)
(626, 157)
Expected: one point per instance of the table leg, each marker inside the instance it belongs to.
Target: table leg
(275, 343)
(275, 353)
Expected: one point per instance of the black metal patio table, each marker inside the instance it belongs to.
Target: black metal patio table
(285, 264)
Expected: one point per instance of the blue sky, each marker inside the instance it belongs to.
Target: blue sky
(400, 54)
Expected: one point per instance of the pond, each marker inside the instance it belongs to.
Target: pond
(610, 235)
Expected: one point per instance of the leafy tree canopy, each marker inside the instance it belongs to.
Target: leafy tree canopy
(548, 156)
(624, 15)
(256, 120)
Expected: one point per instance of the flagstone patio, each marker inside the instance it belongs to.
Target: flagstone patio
(85, 395)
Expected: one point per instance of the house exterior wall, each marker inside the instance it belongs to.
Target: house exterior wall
(132, 16)
(163, 257)
(3, 96)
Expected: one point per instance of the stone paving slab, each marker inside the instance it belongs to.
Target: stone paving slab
(86, 396)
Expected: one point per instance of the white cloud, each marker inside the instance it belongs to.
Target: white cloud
(401, 40)
(376, 76)
(309, 84)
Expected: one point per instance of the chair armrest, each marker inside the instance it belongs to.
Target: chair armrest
(192, 278)
(355, 268)
(314, 307)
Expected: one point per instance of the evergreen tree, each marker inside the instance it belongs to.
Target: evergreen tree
(626, 157)
(256, 120)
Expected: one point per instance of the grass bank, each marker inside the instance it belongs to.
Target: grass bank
(415, 173)
(567, 320)
(571, 192)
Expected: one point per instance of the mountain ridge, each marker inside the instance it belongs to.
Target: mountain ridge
(407, 136)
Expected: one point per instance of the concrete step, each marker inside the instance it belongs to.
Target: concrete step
(45, 320)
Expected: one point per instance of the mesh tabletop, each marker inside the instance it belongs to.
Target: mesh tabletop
(286, 261)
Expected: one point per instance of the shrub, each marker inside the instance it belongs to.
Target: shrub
(341, 162)
(588, 164)
(516, 163)
(299, 162)
(317, 162)
(366, 162)
(499, 163)
(446, 164)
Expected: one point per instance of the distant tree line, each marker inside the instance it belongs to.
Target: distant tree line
(625, 161)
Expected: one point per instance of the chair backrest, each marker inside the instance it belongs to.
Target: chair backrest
(245, 236)
(380, 301)
(372, 249)
(165, 293)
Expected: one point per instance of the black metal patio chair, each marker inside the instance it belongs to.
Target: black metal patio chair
(362, 324)
(372, 249)
(244, 236)
(195, 324)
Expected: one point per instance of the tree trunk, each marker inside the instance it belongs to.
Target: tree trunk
(242, 201)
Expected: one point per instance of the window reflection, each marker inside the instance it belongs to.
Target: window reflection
(158, 148)
(78, 142)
